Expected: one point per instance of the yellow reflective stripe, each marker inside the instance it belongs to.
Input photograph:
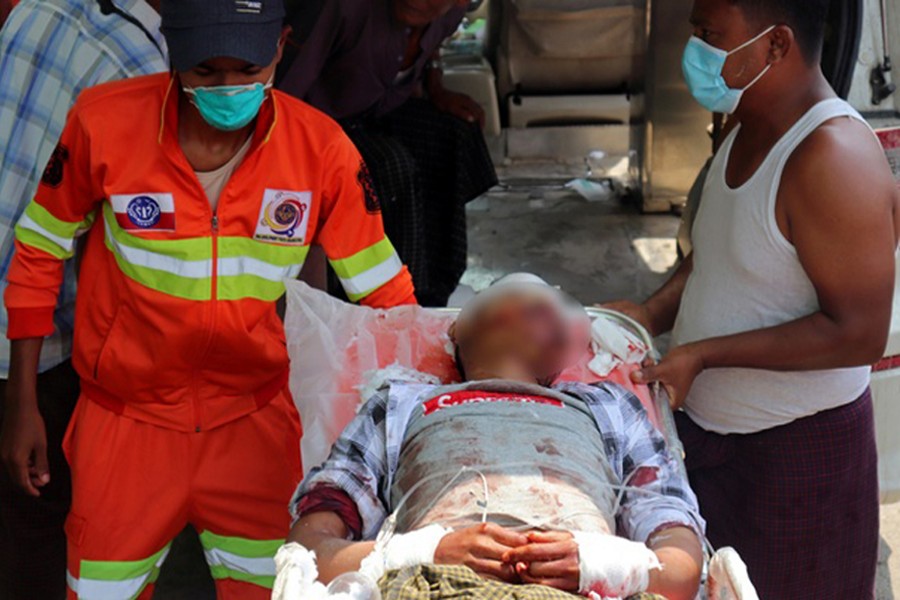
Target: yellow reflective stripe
(241, 559)
(40, 241)
(364, 284)
(38, 228)
(274, 254)
(188, 249)
(364, 260)
(251, 269)
(116, 579)
(246, 268)
(368, 270)
(158, 264)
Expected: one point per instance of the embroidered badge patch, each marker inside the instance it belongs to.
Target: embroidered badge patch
(144, 212)
(284, 217)
(373, 204)
(53, 173)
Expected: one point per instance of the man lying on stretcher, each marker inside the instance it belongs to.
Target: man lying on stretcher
(506, 476)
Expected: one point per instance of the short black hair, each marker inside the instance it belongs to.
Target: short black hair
(806, 17)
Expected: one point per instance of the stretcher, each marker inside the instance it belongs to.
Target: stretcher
(341, 354)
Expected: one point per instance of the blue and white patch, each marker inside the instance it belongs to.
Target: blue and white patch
(144, 212)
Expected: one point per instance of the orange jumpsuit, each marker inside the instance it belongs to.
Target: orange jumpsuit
(185, 415)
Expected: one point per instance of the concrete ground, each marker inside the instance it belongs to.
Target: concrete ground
(597, 251)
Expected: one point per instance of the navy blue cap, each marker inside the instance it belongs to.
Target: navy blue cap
(197, 30)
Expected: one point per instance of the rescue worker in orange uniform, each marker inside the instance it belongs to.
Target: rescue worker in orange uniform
(199, 191)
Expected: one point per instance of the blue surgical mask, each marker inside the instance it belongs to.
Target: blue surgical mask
(703, 65)
(228, 107)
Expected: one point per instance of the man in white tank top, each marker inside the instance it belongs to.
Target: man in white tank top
(783, 306)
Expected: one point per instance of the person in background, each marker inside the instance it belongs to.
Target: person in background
(51, 50)
(782, 307)
(374, 66)
(201, 191)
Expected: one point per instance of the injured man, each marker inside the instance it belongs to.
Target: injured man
(506, 486)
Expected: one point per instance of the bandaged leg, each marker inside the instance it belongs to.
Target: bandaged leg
(613, 567)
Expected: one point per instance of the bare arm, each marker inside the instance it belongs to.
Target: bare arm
(658, 313)
(846, 242)
(23, 440)
(681, 555)
(326, 534)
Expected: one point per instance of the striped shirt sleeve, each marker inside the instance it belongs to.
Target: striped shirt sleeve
(358, 466)
(657, 495)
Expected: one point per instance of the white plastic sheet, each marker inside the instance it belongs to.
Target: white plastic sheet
(332, 345)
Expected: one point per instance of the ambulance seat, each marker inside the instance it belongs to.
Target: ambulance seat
(548, 47)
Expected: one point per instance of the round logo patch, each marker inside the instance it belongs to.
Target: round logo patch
(283, 216)
(144, 212)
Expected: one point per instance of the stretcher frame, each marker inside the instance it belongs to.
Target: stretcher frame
(665, 418)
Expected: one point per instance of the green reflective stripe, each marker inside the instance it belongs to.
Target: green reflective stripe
(274, 254)
(58, 227)
(119, 570)
(41, 242)
(179, 268)
(241, 546)
(241, 559)
(241, 287)
(189, 249)
(251, 269)
(263, 581)
(116, 579)
(348, 268)
(364, 284)
(38, 228)
(161, 281)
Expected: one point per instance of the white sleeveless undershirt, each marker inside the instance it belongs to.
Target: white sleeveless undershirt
(747, 276)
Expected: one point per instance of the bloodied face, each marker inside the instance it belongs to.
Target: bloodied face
(534, 326)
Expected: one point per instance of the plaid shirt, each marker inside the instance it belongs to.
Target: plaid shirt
(365, 458)
(51, 50)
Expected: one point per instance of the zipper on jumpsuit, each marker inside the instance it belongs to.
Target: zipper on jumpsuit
(214, 239)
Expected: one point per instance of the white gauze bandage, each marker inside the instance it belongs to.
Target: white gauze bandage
(296, 574)
(405, 550)
(613, 567)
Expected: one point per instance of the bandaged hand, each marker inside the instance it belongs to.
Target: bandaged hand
(404, 550)
(296, 574)
(481, 548)
(596, 565)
